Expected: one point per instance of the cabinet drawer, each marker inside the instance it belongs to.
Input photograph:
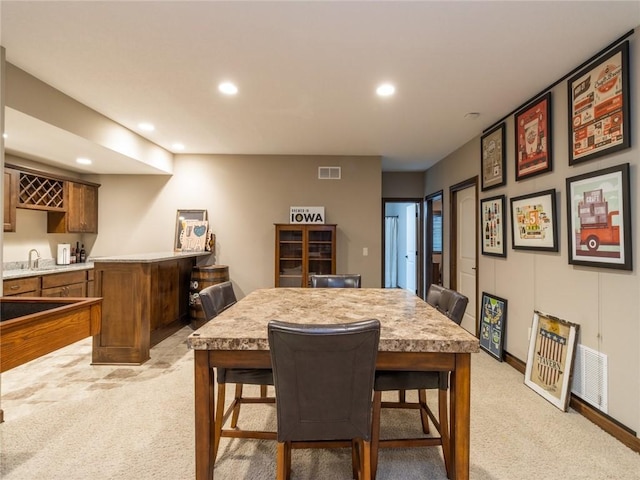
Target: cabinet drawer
(60, 279)
(72, 290)
(21, 286)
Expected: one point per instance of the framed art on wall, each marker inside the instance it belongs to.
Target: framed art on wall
(492, 221)
(599, 218)
(599, 107)
(493, 318)
(492, 158)
(550, 358)
(534, 224)
(533, 138)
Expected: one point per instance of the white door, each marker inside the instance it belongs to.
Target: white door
(466, 253)
(410, 255)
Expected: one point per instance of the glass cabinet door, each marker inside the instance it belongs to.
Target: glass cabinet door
(303, 250)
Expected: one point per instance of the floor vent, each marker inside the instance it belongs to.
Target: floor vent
(590, 377)
(329, 173)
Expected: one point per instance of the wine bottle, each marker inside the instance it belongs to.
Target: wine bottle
(83, 254)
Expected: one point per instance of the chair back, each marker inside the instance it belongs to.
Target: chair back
(323, 377)
(216, 298)
(340, 280)
(453, 304)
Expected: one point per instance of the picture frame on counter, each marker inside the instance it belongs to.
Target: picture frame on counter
(493, 158)
(492, 221)
(534, 223)
(549, 369)
(599, 218)
(533, 138)
(189, 223)
(493, 319)
(599, 111)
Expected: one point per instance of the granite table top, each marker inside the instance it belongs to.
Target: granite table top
(408, 323)
(148, 257)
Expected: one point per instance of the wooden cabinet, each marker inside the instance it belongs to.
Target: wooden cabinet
(10, 198)
(81, 215)
(303, 250)
(144, 302)
(21, 287)
(68, 284)
(77, 283)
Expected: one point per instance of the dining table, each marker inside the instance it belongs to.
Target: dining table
(413, 336)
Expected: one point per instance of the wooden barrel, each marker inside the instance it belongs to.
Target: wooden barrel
(202, 277)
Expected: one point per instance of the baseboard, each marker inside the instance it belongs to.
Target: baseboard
(611, 426)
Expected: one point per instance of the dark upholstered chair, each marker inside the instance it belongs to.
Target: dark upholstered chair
(324, 378)
(340, 280)
(453, 305)
(214, 300)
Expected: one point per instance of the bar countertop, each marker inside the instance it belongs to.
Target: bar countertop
(408, 324)
(148, 257)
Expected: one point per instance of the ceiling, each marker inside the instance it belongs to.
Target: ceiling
(306, 71)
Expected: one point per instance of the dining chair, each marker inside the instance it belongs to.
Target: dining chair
(324, 379)
(214, 300)
(340, 280)
(452, 304)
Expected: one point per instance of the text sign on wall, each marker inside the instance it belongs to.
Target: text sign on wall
(306, 215)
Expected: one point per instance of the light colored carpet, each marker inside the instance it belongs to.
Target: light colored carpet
(68, 420)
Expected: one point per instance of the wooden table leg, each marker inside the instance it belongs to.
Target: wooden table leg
(460, 407)
(204, 408)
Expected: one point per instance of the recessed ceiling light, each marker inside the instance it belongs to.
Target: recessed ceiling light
(177, 146)
(4, 135)
(385, 90)
(472, 115)
(83, 161)
(147, 127)
(228, 88)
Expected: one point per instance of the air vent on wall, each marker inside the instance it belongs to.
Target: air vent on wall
(329, 173)
(590, 377)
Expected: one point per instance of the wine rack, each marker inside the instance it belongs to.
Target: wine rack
(41, 193)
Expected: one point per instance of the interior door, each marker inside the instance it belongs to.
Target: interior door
(411, 253)
(466, 252)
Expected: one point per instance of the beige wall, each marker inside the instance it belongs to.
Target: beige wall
(244, 197)
(604, 302)
(402, 184)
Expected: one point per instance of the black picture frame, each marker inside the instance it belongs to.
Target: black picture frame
(599, 111)
(533, 138)
(493, 322)
(493, 158)
(599, 218)
(534, 222)
(493, 224)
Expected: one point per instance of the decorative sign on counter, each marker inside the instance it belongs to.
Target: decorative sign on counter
(191, 230)
(306, 215)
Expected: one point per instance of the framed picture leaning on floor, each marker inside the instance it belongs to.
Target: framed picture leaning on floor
(550, 358)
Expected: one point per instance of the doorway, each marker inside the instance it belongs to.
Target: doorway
(402, 260)
(433, 256)
(464, 247)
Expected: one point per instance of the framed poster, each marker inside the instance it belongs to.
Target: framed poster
(599, 107)
(493, 319)
(494, 232)
(533, 138)
(534, 222)
(599, 218)
(492, 158)
(189, 234)
(550, 358)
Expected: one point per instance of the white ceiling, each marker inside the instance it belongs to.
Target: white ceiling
(307, 71)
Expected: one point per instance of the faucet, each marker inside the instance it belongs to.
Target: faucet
(33, 264)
